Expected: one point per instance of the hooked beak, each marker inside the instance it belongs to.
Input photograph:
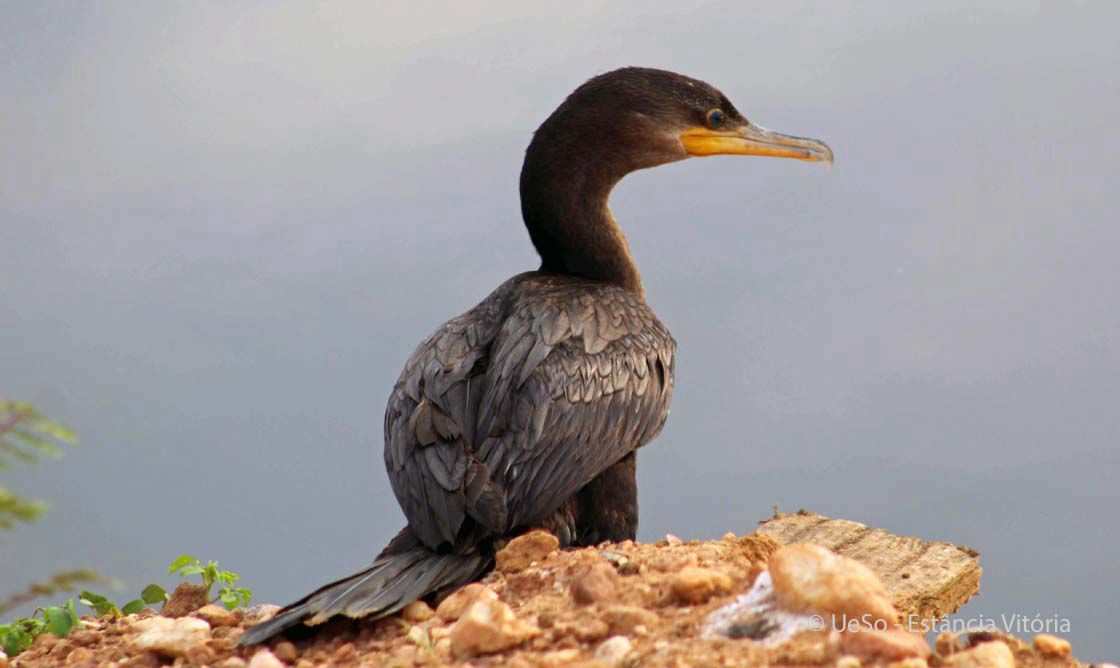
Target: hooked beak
(751, 139)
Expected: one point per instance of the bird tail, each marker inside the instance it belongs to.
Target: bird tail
(399, 576)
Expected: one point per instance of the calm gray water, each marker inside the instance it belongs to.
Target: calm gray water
(224, 228)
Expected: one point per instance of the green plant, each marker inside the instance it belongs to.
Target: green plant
(151, 595)
(186, 565)
(25, 433)
(18, 635)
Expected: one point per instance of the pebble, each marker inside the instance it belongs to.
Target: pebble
(83, 637)
(45, 642)
(625, 619)
(810, 578)
(170, 637)
(3, 659)
(488, 626)
(184, 600)
(61, 650)
(261, 612)
(215, 615)
(599, 583)
(992, 654)
(614, 649)
(584, 628)
(417, 611)
(672, 540)
(1049, 645)
(946, 643)
(232, 662)
(523, 550)
(343, 654)
(848, 661)
(890, 645)
(559, 657)
(442, 649)
(629, 568)
(79, 655)
(912, 662)
(452, 607)
(673, 562)
(406, 654)
(285, 651)
(265, 659)
(201, 655)
(696, 585)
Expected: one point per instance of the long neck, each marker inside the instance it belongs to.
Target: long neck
(564, 196)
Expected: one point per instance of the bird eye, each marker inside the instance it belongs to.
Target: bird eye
(715, 119)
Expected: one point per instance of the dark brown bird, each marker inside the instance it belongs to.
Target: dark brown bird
(527, 410)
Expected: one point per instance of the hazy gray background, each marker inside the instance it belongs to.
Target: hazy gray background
(224, 228)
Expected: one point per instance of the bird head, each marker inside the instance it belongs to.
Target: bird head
(633, 118)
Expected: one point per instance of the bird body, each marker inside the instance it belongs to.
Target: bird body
(509, 409)
(527, 410)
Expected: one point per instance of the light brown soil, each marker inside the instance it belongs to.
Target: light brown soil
(641, 576)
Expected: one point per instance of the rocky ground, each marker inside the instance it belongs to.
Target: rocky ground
(785, 594)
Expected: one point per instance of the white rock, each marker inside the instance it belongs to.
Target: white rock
(215, 615)
(1050, 645)
(614, 649)
(452, 607)
(265, 659)
(992, 654)
(758, 608)
(810, 579)
(488, 626)
(261, 612)
(170, 637)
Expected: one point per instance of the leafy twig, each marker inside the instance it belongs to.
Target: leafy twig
(231, 596)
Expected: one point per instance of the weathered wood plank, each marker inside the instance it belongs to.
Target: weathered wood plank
(926, 579)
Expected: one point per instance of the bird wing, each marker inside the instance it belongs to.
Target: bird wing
(509, 409)
(580, 378)
(429, 421)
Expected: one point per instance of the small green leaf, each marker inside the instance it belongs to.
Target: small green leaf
(134, 606)
(22, 455)
(14, 639)
(154, 593)
(211, 574)
(38, 442)
(54, 429)
(100, 604)
(90, 598)
(180, 561)
(190, 569)
(229, 599)
(58, 620)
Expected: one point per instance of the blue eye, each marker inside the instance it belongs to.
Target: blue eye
(715, 118)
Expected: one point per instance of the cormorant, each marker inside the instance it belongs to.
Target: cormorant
(527, 410)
